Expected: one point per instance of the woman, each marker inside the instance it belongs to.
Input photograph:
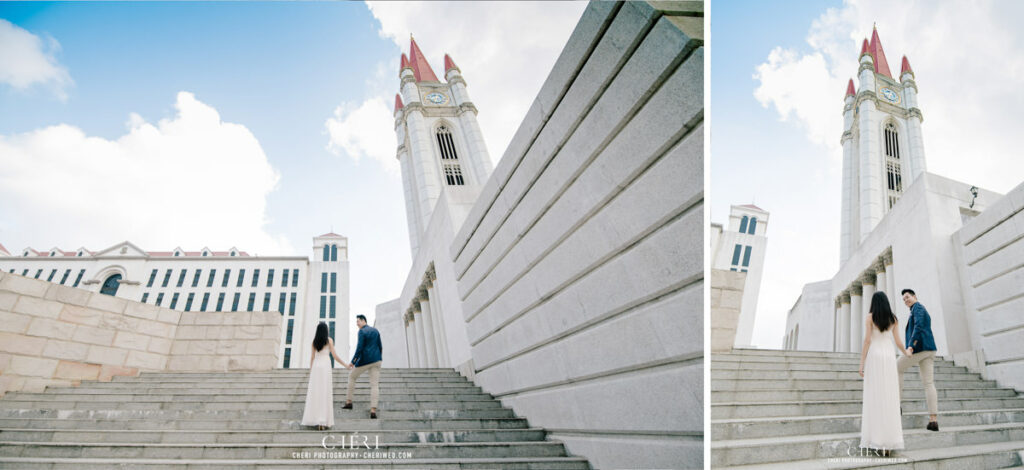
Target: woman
(881, 425)
(319, 410)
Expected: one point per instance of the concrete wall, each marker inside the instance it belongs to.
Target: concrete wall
(809, 322)
(58, 335)
(580, 266)
(726, 301)
(388, 322)
(992, 249)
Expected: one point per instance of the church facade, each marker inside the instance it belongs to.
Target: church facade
(900, 226)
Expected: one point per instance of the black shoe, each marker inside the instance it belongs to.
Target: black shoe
(373, 415)
(933, 426)
(348, 406)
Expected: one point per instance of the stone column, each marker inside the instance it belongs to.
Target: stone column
(835, 324)
(880, 281)
(414, 347)
(428, 327)
(438, 316)
(856, 319)
(421, 341)
(844, 323)
(868, 280)
(890, 277)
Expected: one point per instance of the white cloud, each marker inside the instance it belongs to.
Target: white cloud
(968, 63)
(24, 61)
(503, 67)
(191, 180)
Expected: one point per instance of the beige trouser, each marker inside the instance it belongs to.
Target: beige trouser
(925, 362)
(374, 381)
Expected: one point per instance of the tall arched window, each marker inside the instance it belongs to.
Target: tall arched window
(327, 252)
(893, 166)
(753, 225)
(449, 157)
(111, 284)
(743, 224)
(334, 252)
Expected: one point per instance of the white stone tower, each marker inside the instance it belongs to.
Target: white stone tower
(741, 247)
(440, 146)
(883, 152)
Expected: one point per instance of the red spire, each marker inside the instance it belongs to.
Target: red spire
(449, 64)
(850, 91)
(398, 102)
(878, 55)
(864, 48)
(405, 63)
(905, 67)
(420, 67)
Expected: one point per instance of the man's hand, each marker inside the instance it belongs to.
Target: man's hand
(910, 351)
(351, 366)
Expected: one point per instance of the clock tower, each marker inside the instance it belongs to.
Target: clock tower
(440, 147)
(882, 149)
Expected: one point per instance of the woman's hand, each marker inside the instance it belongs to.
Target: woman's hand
(861, 371)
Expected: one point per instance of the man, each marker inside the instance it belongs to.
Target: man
(921, 345)
(366, 358)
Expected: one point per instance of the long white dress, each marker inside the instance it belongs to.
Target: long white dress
(881, 426)
(320, 394)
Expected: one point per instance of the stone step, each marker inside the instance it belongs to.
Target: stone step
(171, 387)
(852, 366)
(751, 428)
(297, 396)
(305, 370)
(789, 353)
(833, 407)
(751, 396)
(852, 384)
(259, 424)
(361, 410)
(295, 406)
(284, 380)
(306, 437)
(258, 450)
(547, 463)
(777, 449)
(726, 359)
(826, 375)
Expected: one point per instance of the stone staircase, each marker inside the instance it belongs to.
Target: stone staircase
(428, 418)
(796, 410)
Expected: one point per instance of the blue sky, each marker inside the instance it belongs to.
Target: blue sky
(778, 75)
(256, 165)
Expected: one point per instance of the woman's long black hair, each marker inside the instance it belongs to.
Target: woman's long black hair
(320, 340)
(881, 313)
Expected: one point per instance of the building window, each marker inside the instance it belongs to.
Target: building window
(295, 278)
(234, 304)
(177, 253)
(220, 302)
(280, 303)
(206, 300)
(195, 279)
(159, 299)
(233, 253)
(181, 278)
(174, 300)
(252, 301)
(227, 275)
(893, 167)
(334, 282)
(111, 284)
(323, 306)
(327, 252)
(152, 277)
(255, 277)
(50, 277)
(453, 174)
(241, 277)
(284, 278)
(743, 224)
(736, 254)
(25, 272)
(270, 278)
(291, 304)
(39, 273)
(167, 278)
(287, 357)
(753, 226)
(446, 144)
(188, 301)
(323, 282)
(266, 302)
(746, 257)
(288, 334)
(79, 278)
(145, 297)
(64, 278)
(333, 305)
(209, 282)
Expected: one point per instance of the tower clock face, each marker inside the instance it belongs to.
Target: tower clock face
(889, 95)
(437, 98)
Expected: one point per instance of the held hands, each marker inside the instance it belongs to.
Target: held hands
(910, 351)
(350, 366)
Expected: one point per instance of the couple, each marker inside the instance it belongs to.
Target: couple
(881, 422)
(319, 409)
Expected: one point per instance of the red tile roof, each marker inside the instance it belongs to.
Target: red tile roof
(878, 55)
(420, 67)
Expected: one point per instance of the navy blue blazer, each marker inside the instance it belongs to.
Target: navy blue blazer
(368, 349)
(919, 329)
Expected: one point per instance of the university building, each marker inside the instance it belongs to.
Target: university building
(740, 246)
(305, 292)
